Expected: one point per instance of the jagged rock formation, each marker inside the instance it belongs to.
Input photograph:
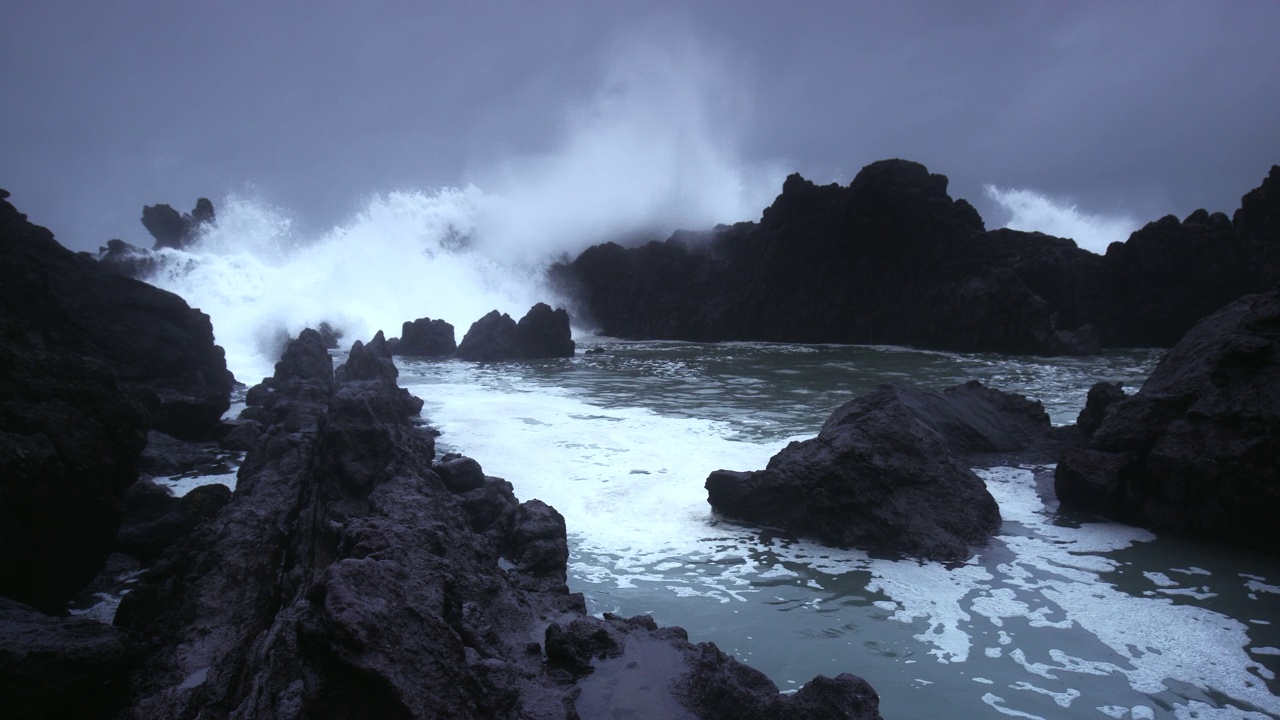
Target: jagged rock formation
(172, 229)
(352, 576)
(1197, 449)
(541, 333)
(885, 473)
(425, 337)
(893, 259)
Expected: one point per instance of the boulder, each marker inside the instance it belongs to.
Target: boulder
(545, 333)
(887, 474)
(541, 333)
(1196, 449)
(425, 337)
(492, 337)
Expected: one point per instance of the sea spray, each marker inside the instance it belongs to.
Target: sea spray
(405, 256)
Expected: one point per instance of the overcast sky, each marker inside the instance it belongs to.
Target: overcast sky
(1133, 108)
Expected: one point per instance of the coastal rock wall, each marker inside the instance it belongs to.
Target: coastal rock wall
(892, 258)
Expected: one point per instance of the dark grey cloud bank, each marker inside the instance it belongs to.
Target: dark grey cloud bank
(1134, 109)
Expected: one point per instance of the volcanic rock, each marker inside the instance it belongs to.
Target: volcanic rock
(160, 351)
(886, 474)
(892, 259)
(541, 333)
(1196, 449)
(346, 578)
(173, 230)
(425, 337)
(121, 258)
(545, 333)
(492, 337)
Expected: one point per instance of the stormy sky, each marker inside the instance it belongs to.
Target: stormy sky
(1126, 111)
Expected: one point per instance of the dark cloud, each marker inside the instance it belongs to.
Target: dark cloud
(1125, 108)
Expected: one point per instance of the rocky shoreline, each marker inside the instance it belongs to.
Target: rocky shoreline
(352, 573)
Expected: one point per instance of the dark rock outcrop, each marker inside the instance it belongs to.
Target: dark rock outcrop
(350, 576)
(69, 446)
(160, 351)
(545, 333)
(1196, 450)
(541, 333)
(90, 362)
(492, 337)
(885, 473)
(425, 337)
(121, 258)
(892, 259)
(59, 667)
(172, 229)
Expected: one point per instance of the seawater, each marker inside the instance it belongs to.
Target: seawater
(1060, 616)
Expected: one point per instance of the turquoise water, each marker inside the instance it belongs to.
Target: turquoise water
(1059, 616)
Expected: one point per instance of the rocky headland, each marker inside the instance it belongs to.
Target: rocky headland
(893, 259)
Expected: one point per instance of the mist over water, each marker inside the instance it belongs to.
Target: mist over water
(653, 149)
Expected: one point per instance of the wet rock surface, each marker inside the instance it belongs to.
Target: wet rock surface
(541, 333)
(1196, 449)
(893, 259)
(425, 337)
(352, 576)
(889, 472)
